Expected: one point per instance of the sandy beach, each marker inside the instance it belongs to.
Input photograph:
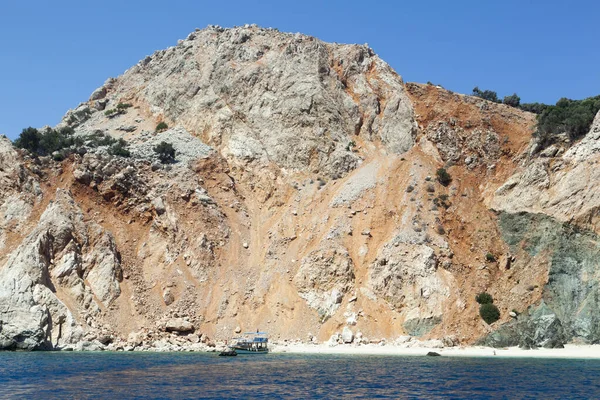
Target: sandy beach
(570, 351)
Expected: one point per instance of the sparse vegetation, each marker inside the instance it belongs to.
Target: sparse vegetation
(120, 109)
(443, 177)
(162, 126)
(351, 145)
(570, 117)
(484, 298)
(60, 143)
(47, 142)
(490, 257)
(165, 152)
(119, 149)
(123, 106)
(99, 138)
(489, 313)
(113, 112)
(441, 200)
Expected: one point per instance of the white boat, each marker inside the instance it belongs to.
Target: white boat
(251, 343)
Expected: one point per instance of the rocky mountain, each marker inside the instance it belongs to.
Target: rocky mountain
(303, 200)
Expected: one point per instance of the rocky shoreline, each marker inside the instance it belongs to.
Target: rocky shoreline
(414, 347)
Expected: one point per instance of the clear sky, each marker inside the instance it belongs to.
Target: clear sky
(56, 52)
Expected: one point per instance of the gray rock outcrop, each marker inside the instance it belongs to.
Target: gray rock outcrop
(405, 274)
(61, 252)
(266, 96)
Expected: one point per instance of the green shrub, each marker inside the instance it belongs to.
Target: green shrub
(47, 142)
(536, 108)
(53, 140)
(119, 149)
(59, 155)
(489, 313)
(29, 139)
(443, 176)
(162, 126)
(165, 151)
(486, 94)
(572, 117)
(513, 100)
(66, 131)
(113, 112)
(123, 106)
(99, 138)
(490, 257)
(484, 298)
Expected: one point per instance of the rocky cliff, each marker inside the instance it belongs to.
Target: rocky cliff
(303, 200)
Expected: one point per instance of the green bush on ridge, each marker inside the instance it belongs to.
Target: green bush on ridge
(60, 143)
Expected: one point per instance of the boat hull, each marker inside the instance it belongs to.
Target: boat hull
(242, 351)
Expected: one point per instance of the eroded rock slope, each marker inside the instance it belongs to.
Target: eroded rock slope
(303, 201)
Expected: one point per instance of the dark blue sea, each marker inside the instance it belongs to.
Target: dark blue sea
(281, 376)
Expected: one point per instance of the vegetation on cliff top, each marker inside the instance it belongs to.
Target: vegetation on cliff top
(59, 143)
(573, 117)
(570, 117)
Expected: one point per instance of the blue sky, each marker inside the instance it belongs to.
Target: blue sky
(55, 53)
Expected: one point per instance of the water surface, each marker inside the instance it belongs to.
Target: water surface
(193, 375)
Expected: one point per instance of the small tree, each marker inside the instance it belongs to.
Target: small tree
(165, 152)
(512, 100)
(52, 140)
(162, 126)
(486, 94)
(484, 298)
(443, 176)
(489, 313)
(29, 139)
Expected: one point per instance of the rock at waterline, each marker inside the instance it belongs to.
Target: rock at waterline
(347, 335)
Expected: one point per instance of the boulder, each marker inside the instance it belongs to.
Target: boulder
(347, 335)
(178, 325)
(98, 94)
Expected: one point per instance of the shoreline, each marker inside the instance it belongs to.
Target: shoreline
(570, 351)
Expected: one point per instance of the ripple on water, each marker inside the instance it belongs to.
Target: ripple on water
(184, 375)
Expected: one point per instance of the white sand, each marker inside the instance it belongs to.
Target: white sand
(570, 351)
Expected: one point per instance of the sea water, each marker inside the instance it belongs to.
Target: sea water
(106, 375)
